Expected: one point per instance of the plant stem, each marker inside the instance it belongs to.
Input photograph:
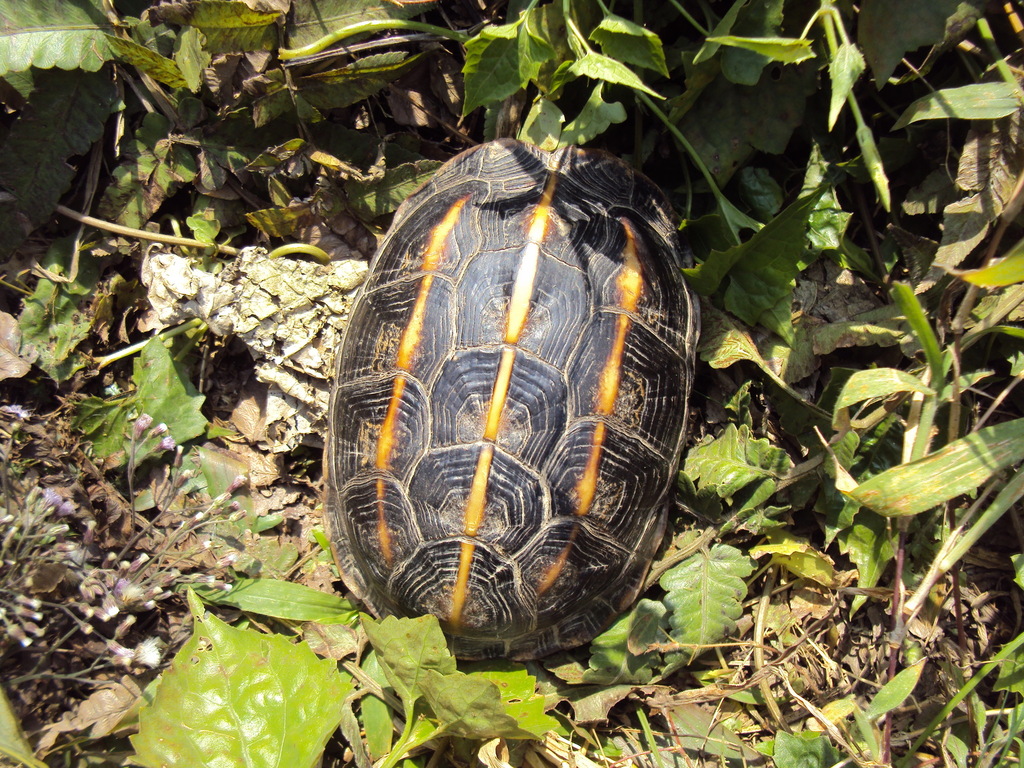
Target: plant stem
(367, 27)
(142, 234)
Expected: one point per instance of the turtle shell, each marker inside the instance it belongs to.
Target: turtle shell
(510, 400)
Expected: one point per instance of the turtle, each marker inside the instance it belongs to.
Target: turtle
(509, 405)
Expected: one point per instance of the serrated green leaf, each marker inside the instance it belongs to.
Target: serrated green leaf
(785, 49)
(705, 594)
(630, 43)
(600, 67)
(408, 649)
(53, 33)
(239, 697)
(958, 468)
(492, 71)
(846, 66)
(283, 600)
(980, 101)
(534, 48)
(896, 691)
(614, 656)
(736, 461)
(594, 119)
(165, 393)
(105, 423)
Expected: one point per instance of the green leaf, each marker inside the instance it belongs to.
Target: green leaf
(843, 70)
(350, 84)
(12, 741)
(239, 697)
(53, 33)
(165, 393)
(804, 750)
(408, 649)
(105, 424)
(705, 595)
(471, 706)
(594, 119)
(381, 195)
(65, 114)
(519, 697)
(1011, 669)
(876, 384)
(227, 25)
(630, 43)
(887, 30)
(787, 50)
(1008, 270)
(735, 461)
(599, 67)
(160, 68)
(283, 600)
(981, 101)
(492, 66)
(543, 125)
(761, 283)
(619, 654)
(896, 691)
(958, 468)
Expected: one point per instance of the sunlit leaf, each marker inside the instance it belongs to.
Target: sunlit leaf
(240, 697)
(843, 70)
(980, 101)
(282, 600)
(785, 49)
(630, 43)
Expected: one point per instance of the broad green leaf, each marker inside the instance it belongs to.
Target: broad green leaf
(161, 69)
(887, 30)
(407, 649)
(1008, 270)
(785, 49)
(600, 67)
(308, 22)
(12, 741)
(705, 595)
(492, 66)
(535, 49)
(54, 318)
(724, 26)
(618, 655)
(1018, 569)
(896, 691)
(843, 70)
(543, 124)
(239, 697)
(630, 43)
(519, 697)
(807, 749)
(735, 461)
(877, 384)
(192, 57)
(980, 101)
(782, 239)
(165, 393)
(868, 543)
(796, 555)
(698, 737)
(105, 423)
(374, 713)
(283, 600)
(53, 33)
(763, 271)
(594, 119)
(228, 25)
(378, 196)
(65, 114)
(958, 468)
(1011, 669)
(499, 702)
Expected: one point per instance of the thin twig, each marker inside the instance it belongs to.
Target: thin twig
(142, 234)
